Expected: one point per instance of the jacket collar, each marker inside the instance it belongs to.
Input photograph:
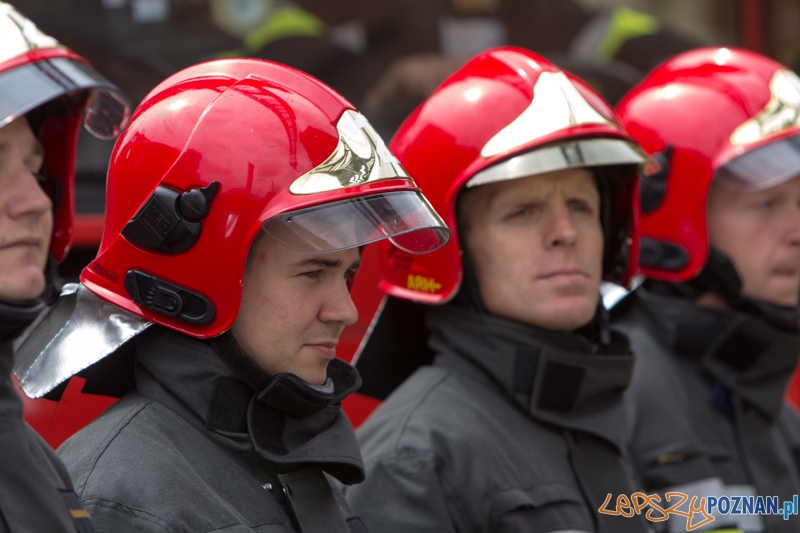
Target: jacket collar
(189, 377)
(747, 356)
(552, 376)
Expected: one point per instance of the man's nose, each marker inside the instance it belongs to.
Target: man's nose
(339, 307)
(27, 197)
(560, 227)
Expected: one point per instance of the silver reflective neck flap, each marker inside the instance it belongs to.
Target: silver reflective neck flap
(79, 330)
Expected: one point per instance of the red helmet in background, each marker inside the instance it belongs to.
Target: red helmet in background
(58, 90)
(223, 150)
(509, 113)
(712, 113)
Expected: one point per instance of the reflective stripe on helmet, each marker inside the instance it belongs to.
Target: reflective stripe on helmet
(570, 154)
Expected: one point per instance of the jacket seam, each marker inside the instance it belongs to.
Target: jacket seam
(107, 442)
(107, 503)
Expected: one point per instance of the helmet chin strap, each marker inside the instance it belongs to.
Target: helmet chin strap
(16, 315)
(720, 277)
(469, 294)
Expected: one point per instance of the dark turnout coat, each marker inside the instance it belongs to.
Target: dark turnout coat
(512, 429)
(36, 493)
(706, 407)
(194, 449)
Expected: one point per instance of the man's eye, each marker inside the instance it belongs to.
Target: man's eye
(520, 212)
(350, 275)
(768, 204)
(580, 207)
(312, 274)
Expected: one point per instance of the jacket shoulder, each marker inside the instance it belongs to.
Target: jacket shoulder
(429, 400)
(96, 444)
(143, 467)
(440, 412)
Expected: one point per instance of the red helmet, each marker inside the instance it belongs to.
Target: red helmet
(57, 89)
(712, 113)
(222, 150)
(508, 113)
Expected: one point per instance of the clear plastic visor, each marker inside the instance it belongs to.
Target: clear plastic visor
(765, 167)
(403, 217)
(26, 87)
(572, 154)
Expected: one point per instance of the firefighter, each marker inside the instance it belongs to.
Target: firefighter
(46, 92)
(516, 424)
(715, 324)
(238, 200)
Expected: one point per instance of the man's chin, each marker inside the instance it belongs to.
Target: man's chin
(781, 292)
(564, 313)
(22, 284)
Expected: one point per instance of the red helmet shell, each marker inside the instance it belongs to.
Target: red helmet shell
(485, 113)
(710, 106)
(252, 126)
(30, 61)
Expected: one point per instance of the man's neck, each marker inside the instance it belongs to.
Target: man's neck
(713, 300)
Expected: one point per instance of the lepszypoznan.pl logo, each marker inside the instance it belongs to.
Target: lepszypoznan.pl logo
(701, 508)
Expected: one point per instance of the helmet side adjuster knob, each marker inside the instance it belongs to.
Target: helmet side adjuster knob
(170, 221)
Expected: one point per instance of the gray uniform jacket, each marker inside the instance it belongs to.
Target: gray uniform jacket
(194, 449)
(512, 429)
(36, 493)
(706, 406)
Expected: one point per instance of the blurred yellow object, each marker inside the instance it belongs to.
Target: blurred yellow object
(240, 17)
(284, 22)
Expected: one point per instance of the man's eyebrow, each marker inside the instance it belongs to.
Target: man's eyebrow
(321, 262)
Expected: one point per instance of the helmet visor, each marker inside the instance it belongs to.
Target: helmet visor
(572, 154)
(762, 168)
(26, 87)
(403, 217)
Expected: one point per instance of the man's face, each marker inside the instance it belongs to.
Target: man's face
(26, 217)
(760, 232)
(537, 247)
(294, 308)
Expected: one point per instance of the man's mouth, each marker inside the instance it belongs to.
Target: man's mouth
(29, 242)
(565, 274)
(326, 349)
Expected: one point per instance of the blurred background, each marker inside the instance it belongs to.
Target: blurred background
(386, 56)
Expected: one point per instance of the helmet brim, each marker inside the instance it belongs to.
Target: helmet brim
(762, 168)
(581, 153)
(106, 109)
(404, 217)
